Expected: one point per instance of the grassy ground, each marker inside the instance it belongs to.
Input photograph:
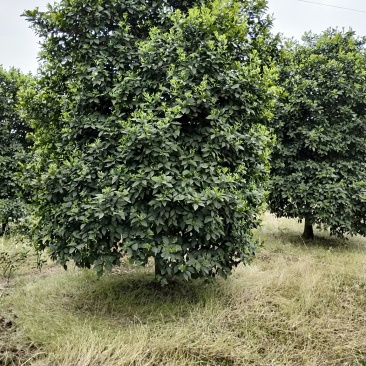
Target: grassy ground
(300, 303)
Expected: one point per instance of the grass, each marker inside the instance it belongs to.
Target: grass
(300, 303)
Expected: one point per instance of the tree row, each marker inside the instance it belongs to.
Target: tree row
(164, 128)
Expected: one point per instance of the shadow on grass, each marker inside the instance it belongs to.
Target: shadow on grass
(322, 241)
(136, 298)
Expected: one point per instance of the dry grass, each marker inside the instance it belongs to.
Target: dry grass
(300, 303)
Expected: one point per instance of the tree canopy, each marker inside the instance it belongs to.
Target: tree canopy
(13, 142)
(319, 162)
(149, 132)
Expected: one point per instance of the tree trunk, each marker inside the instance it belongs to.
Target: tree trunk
(157, 268)
(308, 230)
(3, 228)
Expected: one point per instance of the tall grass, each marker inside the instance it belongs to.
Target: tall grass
(300, 303)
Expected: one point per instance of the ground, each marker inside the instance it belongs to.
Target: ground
(299, 303)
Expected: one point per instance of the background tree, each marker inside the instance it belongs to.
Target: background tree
(319, 163)
(13, 146)
(149, 139)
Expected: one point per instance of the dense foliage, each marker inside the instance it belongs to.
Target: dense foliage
(149, 132)
(13, 146)
(319, 163)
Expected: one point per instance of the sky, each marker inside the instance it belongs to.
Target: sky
(294, 17)
(19, 44)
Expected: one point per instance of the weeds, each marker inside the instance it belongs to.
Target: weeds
(11, 262)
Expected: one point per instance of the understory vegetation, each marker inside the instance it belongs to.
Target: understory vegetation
(299, 303)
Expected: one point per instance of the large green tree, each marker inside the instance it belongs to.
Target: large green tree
(319, 163)
(13, 146)
(149, 134)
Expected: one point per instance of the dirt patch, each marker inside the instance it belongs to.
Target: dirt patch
(14, 349)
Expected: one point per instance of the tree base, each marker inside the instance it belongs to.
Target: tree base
(157, 267)
(308, 233)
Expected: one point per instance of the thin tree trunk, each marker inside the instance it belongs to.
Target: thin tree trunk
(157, 268)
(308, 230)
(3, 228)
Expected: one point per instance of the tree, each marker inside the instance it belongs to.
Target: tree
(319, 162)
(14, 145)
(149, 133)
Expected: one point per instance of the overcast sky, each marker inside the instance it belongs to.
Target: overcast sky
(19, 45)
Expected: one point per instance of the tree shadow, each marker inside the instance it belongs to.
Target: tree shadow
(324, 240)
(136, 298)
